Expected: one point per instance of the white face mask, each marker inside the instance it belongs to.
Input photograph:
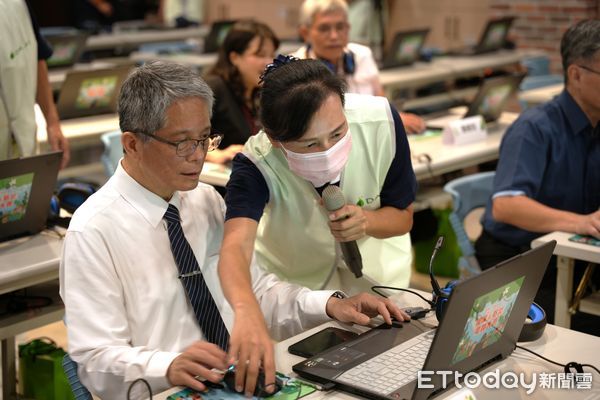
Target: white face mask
(322, 167)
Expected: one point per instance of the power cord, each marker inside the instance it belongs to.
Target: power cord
(133, 384)
(377, 287)
(567, 367)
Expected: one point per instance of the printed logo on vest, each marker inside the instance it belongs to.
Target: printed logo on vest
(367, 200)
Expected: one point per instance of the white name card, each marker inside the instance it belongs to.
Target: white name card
(466, 130)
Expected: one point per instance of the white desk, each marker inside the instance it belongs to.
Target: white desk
(557, 343)
(26, 262)
(567, 252)
(541, 95)
(446, 68)
(81, 132)
(202, 61)
(135, 38)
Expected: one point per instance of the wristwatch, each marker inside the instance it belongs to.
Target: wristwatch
(339, 295)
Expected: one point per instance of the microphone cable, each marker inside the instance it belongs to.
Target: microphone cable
(376, 289)
(578, 367)
(145, 382)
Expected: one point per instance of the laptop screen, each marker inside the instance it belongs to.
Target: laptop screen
(405, 49)
(93, 92)
(493, 95)
(216, 36)
(26, 186)
(66, 49)
(487, 319)
(494, 36)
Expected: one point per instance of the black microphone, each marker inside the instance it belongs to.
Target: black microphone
(434, 284)
(333, 198)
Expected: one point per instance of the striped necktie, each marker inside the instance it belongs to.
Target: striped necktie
(191, 277)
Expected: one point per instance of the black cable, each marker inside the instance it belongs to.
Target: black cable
(374, 289)
(557, 363)
(133, 384)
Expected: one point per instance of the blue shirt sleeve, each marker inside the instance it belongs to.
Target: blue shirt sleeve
(44, 49)
(400, 186)
(247, 191)
(522, 160)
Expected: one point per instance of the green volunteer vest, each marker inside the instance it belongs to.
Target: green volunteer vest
(293, 238)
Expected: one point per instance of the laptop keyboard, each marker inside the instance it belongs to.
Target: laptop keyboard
(392, 369)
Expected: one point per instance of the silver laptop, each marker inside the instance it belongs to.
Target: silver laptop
(483, 319)
(91, 92)
(26, 186)
(489, 102)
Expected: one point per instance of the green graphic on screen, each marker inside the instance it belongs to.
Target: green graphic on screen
(495, 99)
(409, 47)
(487, 319)
(495, 36)
(15, 192)
(62, 54)
(96, 92)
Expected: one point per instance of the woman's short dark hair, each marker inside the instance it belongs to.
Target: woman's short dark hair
(291, 95)
(237, 40)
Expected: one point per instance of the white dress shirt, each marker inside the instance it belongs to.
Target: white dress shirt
(127, 313)
(365, 78)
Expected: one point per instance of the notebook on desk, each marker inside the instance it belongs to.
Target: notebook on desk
(483, 319)
(493, 38)
(489, 102)
(91, 92)
(26, 186)
(66, 48)
(405, 49)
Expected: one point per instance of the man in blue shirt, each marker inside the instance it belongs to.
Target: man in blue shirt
(548, 174)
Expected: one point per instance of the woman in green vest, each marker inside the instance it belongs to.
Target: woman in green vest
(314, 136)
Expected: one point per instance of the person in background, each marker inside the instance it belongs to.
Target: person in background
(548, 174)
(324, 27)
(23, 82)
(314, 136)
(247, 49)
(142, 298)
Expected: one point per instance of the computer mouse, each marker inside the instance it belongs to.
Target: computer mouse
(259, 391)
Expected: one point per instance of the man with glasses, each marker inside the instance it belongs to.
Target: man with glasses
(548, 175)
(139, 270)
(324, 27)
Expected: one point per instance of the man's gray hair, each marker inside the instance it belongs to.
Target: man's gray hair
(151, 89)
(580, 43)
(310, 8)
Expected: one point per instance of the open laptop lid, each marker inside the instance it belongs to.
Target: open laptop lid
(509, 287)
(492, 96)
(485, 315)
(91, 92)
(66, 48)
(494, 36)
(405, 49)
(26, 186)
(216, 36)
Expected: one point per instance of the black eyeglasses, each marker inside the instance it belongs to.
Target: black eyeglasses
(186, 147)
(593, 71)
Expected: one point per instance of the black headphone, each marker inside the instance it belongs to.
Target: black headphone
(536, 317)
(348, 63)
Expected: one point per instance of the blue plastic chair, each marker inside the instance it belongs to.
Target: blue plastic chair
(539, 65)
(534, 82)
(70, 368)
(113, 151)
(468, 193)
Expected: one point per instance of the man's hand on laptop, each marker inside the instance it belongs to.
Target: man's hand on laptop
(361, 308)
(413, 124)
